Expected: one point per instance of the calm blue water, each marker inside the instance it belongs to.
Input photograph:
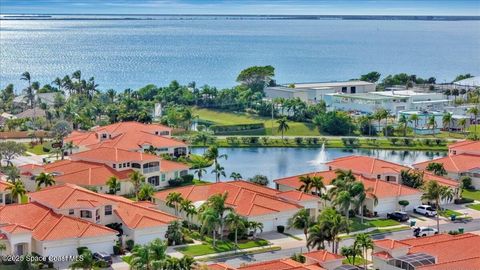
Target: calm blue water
(129, 54)
(282, 162)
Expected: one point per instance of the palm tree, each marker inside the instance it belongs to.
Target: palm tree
(174, 232)
(463, 123)
(475, 112)
(200, 172)
(113, 184)
(210, 220)
(69, 146)
(317, 237)
(432, 123)
(217, 202)
(436, 168)
(433, 191)
(235, 176)
(318, 185)
(146, 192)
(447, 121)
(301, 221)
(174, 199)
(414, 118)
(17, 189)
(44, 179)
(403, 120)
(379, 115)
(13, 174)
(189, 208)
(282, 125)
(29, 91)
(214, 154)
(148, 257)
(235, 222)
(111, 93)
(137, 179)
(362, 197)
(254, 225)
(365, 242)
(86, 263)
(306, 184)
(218, 171)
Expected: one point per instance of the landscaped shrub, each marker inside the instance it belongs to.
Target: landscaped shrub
(315, 140)
(281, 229)
(232, 140)
(254, 140)
(466, 182)
(265, 140)
(259, 180)
(427, 142)
(175, 182)
(187, 178)
(388, 130)
(129, 244)
(245, 140)
(439, 141)
(80, 250)
(117, 250)
(407, 141)
(230, 129)
(404, 203)
(298, 140)
(393, 141)
(462, 201)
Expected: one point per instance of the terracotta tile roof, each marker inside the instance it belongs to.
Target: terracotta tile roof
(297, 196)
(82, 138)
(454, 163)
(71, 196)
(30, 166)
(281, 264)
(107, 154)
(428, 176)
(322, 256)
(168, 166)
(247, 199)
(84, 173)
(390, 244)
(122, 127)
(44, 224)
(381, 188)
(4, 185)
(465, 264)
(467, 145)
(219, 266)
(366, 165)
(382, 254)
(133, 140)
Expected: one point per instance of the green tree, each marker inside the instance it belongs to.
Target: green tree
(17, 189)
(210, 221)
(365, 242)
(432, 124)
(189, 208)
(255, 226)
(87, 262)
(174, 233)
(44, 179)
(174, 200)
(436, 168)
(219, 171)
(447, 121)
(414, 119)
(146, 192)
(475, 112)
(235, 222)
(301, 221)
(256, 77)
(351, 252)
(259, 180)
(372, 77)
(433, 191)
(235, 176)
(9, 150)
(404, 121)
(137, 179)
(214, 155)
(113, 184)
(306, 183)
(282, 125)
(334, 123)
(411, 178)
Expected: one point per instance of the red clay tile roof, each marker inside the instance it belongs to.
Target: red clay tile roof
(84, 173)
(322, 256)
(107, 154)
(281, 264)
(4, 185)
(382, 254)
(390, 244)
(381, 188)
(168, 166)
(428, 176)
(44, 224)
(465, 264)
(366, 165)
(29, 166)
(467, 145)
(122, 127)
(454, 163)
(219, 266)
(248, 199)
(82, 138)
(70, 196)
(136, 139)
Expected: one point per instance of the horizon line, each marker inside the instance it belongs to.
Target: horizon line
(226, 14)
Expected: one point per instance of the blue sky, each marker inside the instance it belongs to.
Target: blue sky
(346, 7)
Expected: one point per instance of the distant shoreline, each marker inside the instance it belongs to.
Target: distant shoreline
(231, 17)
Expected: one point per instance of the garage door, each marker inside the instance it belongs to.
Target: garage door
(101, 247)
(61, 251)
(268, 226)
(384, 207)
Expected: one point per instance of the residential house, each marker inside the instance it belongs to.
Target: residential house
(254, 202)
(464, 147)
(315, 92)
(59, 219)
(437, 252)
(5, 196)
(92, 169)
(131, 136)
(387, 193)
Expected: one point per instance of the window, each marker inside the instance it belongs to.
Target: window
(114, 166)
(163, 177)
(176, 174)
(71, 212)
(97, 215)
(136, 166)
(128, 164)
(379, 176)
(1, 198)
(120, 166)
(85, 214)
(108, 210)
(353, 90)
(124, 165)
(154, 181)
(164, 132)
(344, 89)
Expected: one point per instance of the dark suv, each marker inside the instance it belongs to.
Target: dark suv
(103, 256)
(398, 216)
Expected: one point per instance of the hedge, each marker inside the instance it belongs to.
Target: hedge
(226, 129)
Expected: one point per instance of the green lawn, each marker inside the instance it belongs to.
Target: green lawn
(447, 213)
(38, 149)
(356, 224)
(358, 261)
(471, 194)
(474, 206)
(221, 246)
(228, 118)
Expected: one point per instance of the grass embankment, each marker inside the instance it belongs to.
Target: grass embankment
(471, 194)
(474, 206)
(356, 224)
(221, 246)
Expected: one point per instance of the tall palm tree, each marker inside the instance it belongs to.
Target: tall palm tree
(235, 176)
(365, 242)
(235, 222)
(433, 191)
(301, 221)
(218, 171)
(200, 172)
(17, 189)
(362, 197)
(137, 179)
(174, 199)
(463, 123)
(317, 236)
(306, 183)
(318, 185)
(404, 121)
(282, 125)
(188, 207)
(210, 220)
(214, 154)
(432, 123)
(44, 179)
(255, 226)
(475, 111)
(218, 203)
(146, 192)
(414, 118)
(447, 121)
(113, 184)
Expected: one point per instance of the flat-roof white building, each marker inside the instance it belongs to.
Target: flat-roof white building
(314, 92)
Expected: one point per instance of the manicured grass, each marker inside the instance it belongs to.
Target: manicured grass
(358, 261)
(293, 236)
(221, 246)
(379, 231)
(236, 254)
(471, 194)
(384, 222)
(447, 213)
(474, 206)
(356, 224)
(38, 149)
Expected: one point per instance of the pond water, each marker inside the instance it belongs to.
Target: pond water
(281, 162)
